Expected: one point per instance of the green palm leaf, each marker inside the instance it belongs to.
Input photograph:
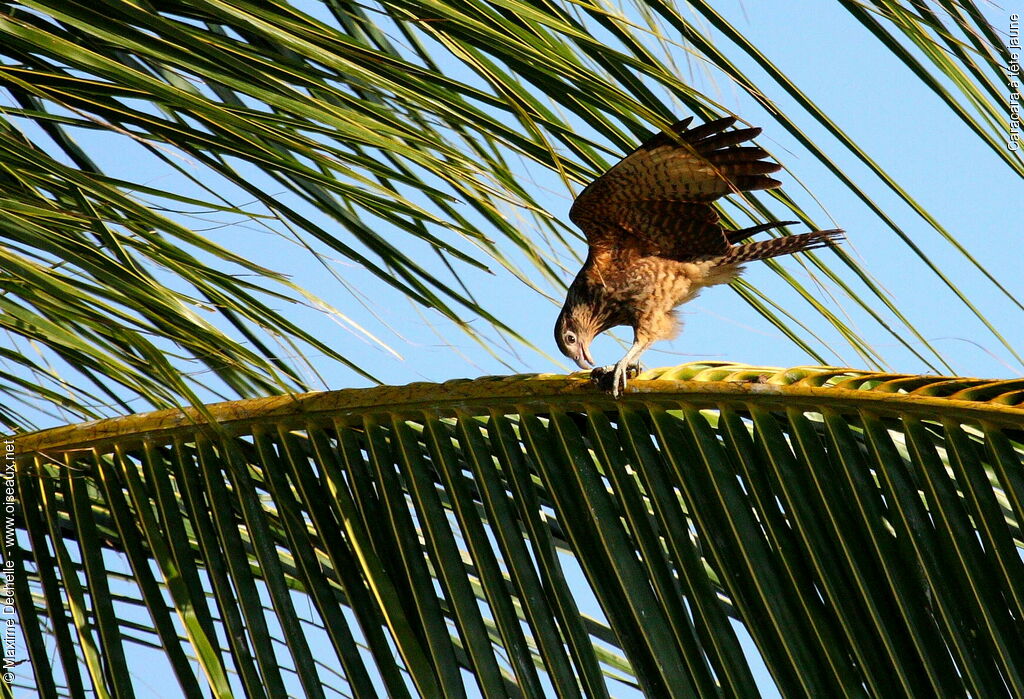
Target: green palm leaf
(862, 529)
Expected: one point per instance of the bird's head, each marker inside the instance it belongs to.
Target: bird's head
(574, 331)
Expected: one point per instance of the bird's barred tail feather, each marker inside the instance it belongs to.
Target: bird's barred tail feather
(764, 249)
(744, 233)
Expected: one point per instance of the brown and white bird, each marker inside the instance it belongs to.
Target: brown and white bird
(655, 240)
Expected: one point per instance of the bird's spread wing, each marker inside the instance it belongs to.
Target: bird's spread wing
(658, 198)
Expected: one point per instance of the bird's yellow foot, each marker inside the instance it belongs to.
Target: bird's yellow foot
(614, 376)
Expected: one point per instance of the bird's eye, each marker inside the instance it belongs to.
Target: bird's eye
(570, 339)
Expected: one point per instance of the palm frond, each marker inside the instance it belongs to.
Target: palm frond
(863, 529)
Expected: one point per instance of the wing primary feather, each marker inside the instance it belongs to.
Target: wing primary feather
(728, 138)
(747, 167)
(731, 155)
(701, 132)
(681, 125)
(661, 138)
(752, 183)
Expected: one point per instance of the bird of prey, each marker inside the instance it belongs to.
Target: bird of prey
(655, 238)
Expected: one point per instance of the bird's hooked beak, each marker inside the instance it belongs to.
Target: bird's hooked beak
(583, 359)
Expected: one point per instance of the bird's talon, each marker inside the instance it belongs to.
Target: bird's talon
(620, 377)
